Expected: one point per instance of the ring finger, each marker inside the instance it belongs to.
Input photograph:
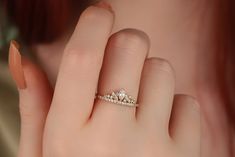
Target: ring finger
(123, 62)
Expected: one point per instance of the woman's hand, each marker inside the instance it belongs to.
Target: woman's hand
(75, 124)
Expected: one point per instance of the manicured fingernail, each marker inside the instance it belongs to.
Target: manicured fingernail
(104, 5)
(15, 65)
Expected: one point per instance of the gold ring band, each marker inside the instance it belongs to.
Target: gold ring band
(120, 98)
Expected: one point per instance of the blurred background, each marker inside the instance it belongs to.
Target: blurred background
(9, 110)
(9, 114)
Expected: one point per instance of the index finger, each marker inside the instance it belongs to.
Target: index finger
(80, 68)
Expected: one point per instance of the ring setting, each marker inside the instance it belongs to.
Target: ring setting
(120, 98)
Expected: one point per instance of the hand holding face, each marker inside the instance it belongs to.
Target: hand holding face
(73, 123)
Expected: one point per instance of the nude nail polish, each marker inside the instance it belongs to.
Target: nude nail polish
(15, 65)
(104, 5)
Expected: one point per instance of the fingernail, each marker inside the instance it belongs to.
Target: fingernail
(104, 5)
(15, 65)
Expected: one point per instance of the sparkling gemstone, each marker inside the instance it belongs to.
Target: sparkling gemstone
(114, 96)
(121, 94)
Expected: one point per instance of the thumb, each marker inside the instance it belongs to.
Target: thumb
(35, 98)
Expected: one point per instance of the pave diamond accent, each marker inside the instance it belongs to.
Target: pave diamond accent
(120, 97)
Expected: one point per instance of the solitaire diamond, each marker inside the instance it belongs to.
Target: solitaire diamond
(121, 94)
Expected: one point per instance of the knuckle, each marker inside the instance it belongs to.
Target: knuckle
(131, 40)
(134, 35)
(160, 65)
(94, 13)
(188, 100)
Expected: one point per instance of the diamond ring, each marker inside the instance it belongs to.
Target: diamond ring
(120, 98)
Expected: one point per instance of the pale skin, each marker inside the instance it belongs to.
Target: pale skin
(76, 125)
